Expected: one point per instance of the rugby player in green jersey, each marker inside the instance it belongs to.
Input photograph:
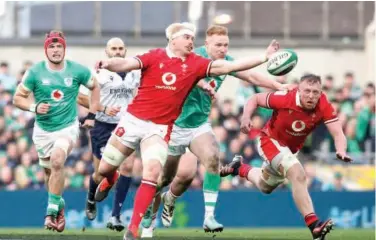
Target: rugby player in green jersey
(55, 84)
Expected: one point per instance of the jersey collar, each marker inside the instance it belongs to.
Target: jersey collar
(170, 54)
(55, 71)
(297, 99)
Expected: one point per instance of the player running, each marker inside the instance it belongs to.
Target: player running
(193, 130)
(116, 92)
(55, 84)
(168, 75)
(296, 114)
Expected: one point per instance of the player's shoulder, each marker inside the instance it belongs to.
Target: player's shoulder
(38, 67)
(323, 101)
(201, 51)
(157, 51)
(77, 66)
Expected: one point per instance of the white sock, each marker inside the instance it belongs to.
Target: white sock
(210, 201)
(170, 198)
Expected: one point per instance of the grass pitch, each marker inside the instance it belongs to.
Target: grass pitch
(187, 234)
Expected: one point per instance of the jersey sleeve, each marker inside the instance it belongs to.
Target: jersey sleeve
(86, 78)
(328, 112)
(203, 66)
(29, 81)
(146, 59)
(277, 100)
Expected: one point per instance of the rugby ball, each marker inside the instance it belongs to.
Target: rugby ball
(282, 62)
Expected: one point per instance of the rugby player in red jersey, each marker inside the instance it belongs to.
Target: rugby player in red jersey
(296, 114)
(168, 75)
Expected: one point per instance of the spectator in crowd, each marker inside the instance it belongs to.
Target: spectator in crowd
(7, 81)
(336, 185)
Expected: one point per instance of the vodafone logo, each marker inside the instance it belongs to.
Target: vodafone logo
(168, 78)
(298, 126)
(57, 95)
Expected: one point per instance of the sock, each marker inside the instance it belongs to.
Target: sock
(122, 187)
(53, 204)
(311, 220)
(142, 200)
(170, 197)
(61, 203)
(211, 186)
(92, 188)
(244, 170)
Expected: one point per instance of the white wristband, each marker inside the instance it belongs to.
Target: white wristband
(33, 107)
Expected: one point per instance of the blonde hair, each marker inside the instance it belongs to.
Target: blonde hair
(216, 30)
(176, 27)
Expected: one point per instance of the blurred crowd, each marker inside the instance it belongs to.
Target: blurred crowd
(354, 104)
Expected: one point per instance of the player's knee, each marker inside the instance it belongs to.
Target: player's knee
(57, 160)
(97, 177)
(152, 170)
(212, 161)
(185, 175)
(126, 168)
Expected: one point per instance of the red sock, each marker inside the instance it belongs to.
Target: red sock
(142, 200)
(310, 218)
(244, 170)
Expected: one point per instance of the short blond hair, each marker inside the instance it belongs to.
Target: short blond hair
(176, 27)
(216, 30)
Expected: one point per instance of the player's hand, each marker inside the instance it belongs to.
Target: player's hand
(112, 111)
(272, 48)
(102, 64)
(42, 108)
(209, 90)
(245, 125)
(88, 124)
(343, 157)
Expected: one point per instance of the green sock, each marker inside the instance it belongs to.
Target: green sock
(211, 186)
(61, 203)
(53, 204)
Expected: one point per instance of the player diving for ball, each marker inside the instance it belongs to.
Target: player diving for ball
(193, 130)
(55, 84)
(116, 92)
(296, 114)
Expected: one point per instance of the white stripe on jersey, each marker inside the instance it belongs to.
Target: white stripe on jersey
(115, 91)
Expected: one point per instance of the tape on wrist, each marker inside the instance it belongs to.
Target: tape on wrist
(33, 108)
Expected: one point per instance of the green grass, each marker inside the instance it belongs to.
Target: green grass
(186, 234)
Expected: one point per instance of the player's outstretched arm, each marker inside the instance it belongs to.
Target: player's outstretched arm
(250, 107)
(340, 141)
(260, 80)
(222, 67)
(118, 64)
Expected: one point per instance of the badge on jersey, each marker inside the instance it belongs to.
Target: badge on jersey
(68, 81)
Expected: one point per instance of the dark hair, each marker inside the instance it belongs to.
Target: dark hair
(349, 74)
(311, 78)
(329, 77)
(3, 64)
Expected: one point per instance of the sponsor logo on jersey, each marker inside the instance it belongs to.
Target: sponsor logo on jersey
(68, 81)
(46, 81)
(168, 79)
(298, 126)
(57, 95)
